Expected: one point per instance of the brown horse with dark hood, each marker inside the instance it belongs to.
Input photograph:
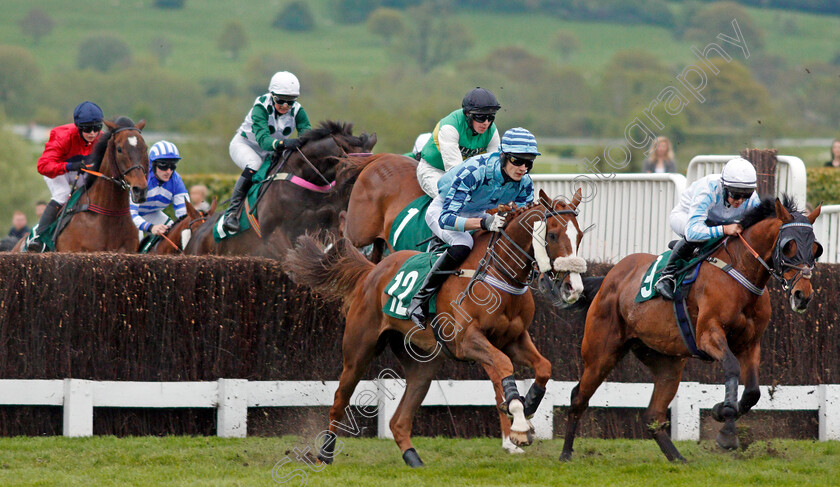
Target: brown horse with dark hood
(101, 220)
(307, 195)
(484, 320)
(728, 304)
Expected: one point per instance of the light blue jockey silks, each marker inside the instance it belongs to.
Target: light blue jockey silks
(707, 212)
(476, 185)
(519, 141)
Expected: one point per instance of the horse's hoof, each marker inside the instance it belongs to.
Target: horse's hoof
(510, 447)
(565, 456)
(323, 460)
(412, 459)
(521, 438)
(727, 441)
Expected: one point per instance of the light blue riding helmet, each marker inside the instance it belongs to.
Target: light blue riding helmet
(519, 141)
(164, 150)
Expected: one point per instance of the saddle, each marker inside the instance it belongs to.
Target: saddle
(50, 234)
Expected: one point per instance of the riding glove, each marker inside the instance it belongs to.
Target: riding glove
(75, 165)
(291, 144)
(493, 223)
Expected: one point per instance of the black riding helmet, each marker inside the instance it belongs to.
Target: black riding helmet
(480, 101)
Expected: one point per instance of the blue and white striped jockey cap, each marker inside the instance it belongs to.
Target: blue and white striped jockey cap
(164, 150)
(519, 141)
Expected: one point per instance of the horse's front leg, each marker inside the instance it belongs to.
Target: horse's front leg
(475, 346)
(713, 341)
(749, 376)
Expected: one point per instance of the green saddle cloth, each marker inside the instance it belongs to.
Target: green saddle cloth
(219, 233)
(409, 228)
(648, 291)
(49, 235)
(406, 283)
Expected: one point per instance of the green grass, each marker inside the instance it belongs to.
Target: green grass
(177, 460)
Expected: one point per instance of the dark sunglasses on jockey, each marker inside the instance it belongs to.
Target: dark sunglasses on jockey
(483, 117)
(521, 161)
(738, 195)
(283, 99)
(90, 127)
(166, 164)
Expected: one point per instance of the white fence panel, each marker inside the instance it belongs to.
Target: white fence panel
(630, 211)
(233, 397)
(827, 231)
(790, 173)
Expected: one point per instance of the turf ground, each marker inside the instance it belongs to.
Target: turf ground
(104, 461)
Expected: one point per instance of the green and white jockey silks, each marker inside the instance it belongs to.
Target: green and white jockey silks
(263, 125)
(468, 144)
(405, 284)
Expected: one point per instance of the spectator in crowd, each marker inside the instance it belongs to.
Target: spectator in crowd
(19, 228)
(835, 154)
(39, 208)
(661, 158)
(198, 197)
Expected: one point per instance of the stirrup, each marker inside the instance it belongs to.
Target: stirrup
(667, 286)
(36, 246)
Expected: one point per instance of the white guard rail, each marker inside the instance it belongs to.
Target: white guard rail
(630, 211)
(827, 231)
(791, 177)
(379, 398)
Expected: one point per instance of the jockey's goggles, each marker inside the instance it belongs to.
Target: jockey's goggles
(740, 194)
(166, 165)
(483, 117)
(90, 127)
(283, 99)
(521, 161)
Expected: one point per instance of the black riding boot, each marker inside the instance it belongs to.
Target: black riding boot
(240, 192)
(667, 281)
(448, 261)
(47, 218)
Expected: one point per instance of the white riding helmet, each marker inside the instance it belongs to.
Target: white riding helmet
(284, 83)
(738, 173)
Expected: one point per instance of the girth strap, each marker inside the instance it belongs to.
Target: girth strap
(734, 274)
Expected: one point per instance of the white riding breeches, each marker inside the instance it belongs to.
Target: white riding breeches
(428, 176)
(61, 186)
(246, 155)
(452, 237)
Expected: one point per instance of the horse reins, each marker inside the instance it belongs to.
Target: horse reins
(120, 180)
(776, 274)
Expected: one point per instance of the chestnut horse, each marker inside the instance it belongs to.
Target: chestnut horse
(491, 327)
(180, 233)
(730, 319)
(120, 165)
(386, 184)
(309, 200)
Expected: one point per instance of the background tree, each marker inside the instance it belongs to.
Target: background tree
(232, 39)
(355, 11)
(103, 52)
(385, 22)
(173, 4)
(296, 16)
(36, 24)
(717, 18)
(432, 38)
(19, 81)
(566, 43)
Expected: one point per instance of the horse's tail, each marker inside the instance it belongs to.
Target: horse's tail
(334, 272)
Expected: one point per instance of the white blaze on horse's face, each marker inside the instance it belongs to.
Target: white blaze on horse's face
(132, 141)
(185, 238)
(574, 265)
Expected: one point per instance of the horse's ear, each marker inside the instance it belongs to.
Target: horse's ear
(371, 142)
(814, 214)
(140, 124)
(191, 211)
(544, 199)
(213, 206)
(578, 197)
(782, 213)
(111, 125)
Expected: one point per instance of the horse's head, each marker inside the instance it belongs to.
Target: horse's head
(556, 241)
(795, 254)
(129, 160)
(325, 145)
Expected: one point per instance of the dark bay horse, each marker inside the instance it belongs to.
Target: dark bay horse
(120, 164)
(481, 323)
(310, 199)
(386, 184)
(730, 319)
(180, 233)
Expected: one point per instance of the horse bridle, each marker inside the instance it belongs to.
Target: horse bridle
(119, 180)
(780, 262)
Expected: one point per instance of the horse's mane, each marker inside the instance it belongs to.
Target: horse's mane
(98, 152)
(767, 209)
(348, 172)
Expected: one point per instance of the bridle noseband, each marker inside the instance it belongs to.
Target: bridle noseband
(781, 263)
(119, 180)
